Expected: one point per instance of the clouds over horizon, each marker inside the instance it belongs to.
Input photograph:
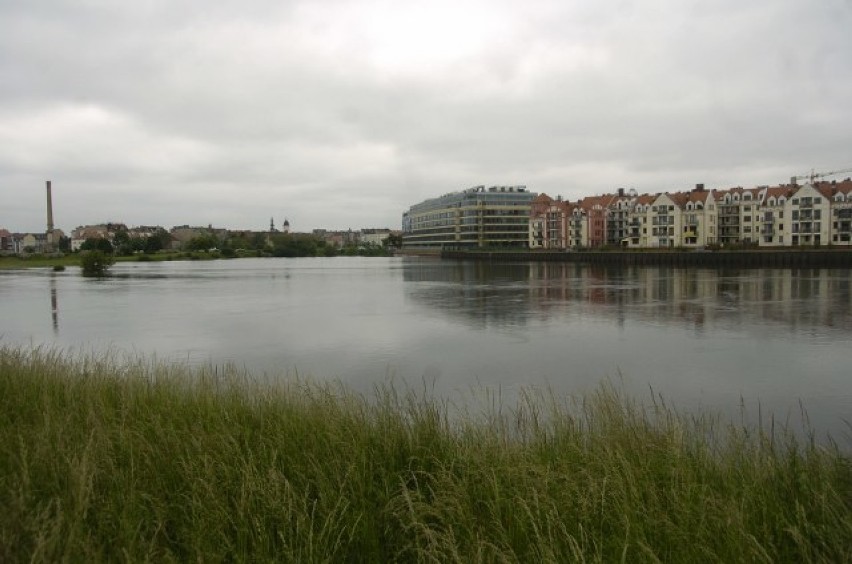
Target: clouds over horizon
(340, 114)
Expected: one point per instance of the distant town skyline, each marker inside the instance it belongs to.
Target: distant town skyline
(341, 114)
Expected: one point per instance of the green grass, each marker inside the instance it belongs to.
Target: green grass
(37, 261)
(40, 261)
(103, 459)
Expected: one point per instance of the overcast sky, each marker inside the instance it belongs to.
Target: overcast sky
(342, 114)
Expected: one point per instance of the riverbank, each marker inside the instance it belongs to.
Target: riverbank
(46, 261)
(799, 258)
(104, 459)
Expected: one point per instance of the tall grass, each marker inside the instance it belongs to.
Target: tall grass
(103, 459)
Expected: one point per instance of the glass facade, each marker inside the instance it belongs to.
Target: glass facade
(497, 216)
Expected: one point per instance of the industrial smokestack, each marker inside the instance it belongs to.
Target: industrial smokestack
(49, 210)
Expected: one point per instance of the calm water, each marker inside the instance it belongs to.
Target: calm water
(716, 338)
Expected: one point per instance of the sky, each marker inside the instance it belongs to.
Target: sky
(342, 114)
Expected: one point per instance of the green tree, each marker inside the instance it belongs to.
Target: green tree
(393, 242)
(202, 242)
(97, 244)
(95, 263)
(158, 241)
(292, 245)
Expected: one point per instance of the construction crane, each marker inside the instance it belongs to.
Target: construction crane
(814, 175)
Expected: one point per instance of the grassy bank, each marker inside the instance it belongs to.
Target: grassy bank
(40, 261)
(103, 460)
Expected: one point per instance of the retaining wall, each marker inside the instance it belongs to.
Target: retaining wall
(763, 259)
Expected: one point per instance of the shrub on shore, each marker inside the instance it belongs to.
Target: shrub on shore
(103, 460)
(95, 263)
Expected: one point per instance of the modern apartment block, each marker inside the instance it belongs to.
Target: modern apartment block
(497, 216)
(812, 214)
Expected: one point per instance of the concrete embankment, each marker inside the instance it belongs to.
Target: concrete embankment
(711, 259)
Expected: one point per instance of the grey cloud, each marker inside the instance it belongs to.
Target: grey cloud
(187, 112)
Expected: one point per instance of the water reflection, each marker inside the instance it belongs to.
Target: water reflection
(482, 294)
(54, 305)
(700, 337)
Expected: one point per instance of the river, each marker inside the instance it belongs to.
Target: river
(772, 340)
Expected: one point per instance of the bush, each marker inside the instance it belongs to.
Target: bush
(95, 263)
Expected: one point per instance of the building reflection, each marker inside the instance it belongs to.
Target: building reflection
(483, 294)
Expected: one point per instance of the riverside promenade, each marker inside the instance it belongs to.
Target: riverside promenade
(827, 258)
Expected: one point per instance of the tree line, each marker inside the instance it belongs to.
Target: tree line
(240, 244)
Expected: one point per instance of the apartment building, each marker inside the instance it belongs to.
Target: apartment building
(538, 211)
(810, 217)
(772, 202)
(812, 214)
(841, 214)
(497, 216)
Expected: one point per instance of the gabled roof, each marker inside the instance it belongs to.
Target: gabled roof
(825, 188)
(589, 202)
(778, 191)
(697, 196)
(844, 186)
(679, 198)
